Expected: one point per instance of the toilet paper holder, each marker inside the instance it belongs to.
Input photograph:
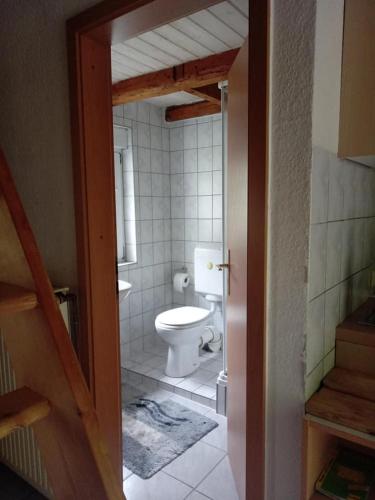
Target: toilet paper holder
(181, 280)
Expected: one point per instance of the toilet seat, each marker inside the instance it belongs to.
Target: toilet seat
(182, 329)
(182, 317)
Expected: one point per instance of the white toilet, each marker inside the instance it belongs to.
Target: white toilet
(183, 327)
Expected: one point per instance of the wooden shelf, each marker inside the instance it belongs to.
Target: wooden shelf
(15, 298)
(321, 439)
(21, 408)
(340, 431)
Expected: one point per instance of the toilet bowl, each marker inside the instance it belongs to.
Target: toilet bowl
(183, 327)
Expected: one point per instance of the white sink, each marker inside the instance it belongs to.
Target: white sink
(123, 289)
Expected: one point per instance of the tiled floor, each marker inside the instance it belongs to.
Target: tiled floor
(202, 472)
(200, 386)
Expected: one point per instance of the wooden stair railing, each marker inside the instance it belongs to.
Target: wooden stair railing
(53, 394)
(21, 408)
(15, 298)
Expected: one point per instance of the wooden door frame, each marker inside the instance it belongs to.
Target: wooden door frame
(89, 37)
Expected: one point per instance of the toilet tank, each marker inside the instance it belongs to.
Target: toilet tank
(208, 280)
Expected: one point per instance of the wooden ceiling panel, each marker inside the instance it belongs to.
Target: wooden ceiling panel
(214, 25)
(152, 51)
(213, 30)
(176, 37)
(190, 75)
(193, 30)
(229, 15)
(169, 47)
(242, 6)
(137, 55)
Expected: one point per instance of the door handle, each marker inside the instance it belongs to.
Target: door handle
(225, 265)
(221, 267)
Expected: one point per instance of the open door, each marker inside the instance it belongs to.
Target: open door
(90, 36)
(246, 208)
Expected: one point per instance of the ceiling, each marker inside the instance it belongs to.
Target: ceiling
(219, 28)
(174, 99)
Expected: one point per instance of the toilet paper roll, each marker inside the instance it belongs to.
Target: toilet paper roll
(180, 281)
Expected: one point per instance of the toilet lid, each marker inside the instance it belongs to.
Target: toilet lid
(183, 316)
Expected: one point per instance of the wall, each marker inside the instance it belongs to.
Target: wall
(196, 195)
(150, 276)
(35, 123)
(35, 136)
(291, 80)
(342, 251)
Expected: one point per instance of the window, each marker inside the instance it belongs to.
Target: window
(120, 209)
(124, 195)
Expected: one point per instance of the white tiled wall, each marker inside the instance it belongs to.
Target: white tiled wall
(151, 275)
(196, 194)
(178, 206)
(342, 251)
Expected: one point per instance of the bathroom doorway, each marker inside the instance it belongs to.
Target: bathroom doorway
(172, 173)
(96, 60)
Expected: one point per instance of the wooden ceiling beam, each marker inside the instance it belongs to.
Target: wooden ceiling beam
(187, 76)
(185, 111)
(210, 93)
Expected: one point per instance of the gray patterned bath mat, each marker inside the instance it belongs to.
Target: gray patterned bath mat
(157, 433)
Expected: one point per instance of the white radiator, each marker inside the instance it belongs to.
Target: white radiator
(19, 451)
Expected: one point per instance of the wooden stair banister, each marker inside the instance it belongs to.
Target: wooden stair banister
(43, 359)
(21, 408)
(15, 298)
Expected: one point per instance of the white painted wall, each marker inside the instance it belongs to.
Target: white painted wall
(327, 73)
(292, 58)
(34, 122)
(35, 136)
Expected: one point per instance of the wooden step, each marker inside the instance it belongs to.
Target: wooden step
(350, 411)
(351, 382)
(16, 298)
(354, 328)
(355, 357)
(21, 408)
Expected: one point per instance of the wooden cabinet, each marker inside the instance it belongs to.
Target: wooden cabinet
(344, 79)
(321, 439)
(357, 101)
